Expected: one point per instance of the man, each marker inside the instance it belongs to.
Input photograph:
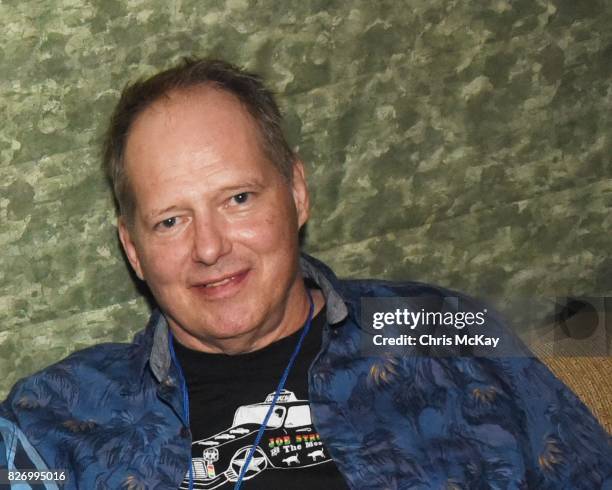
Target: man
(254, 371)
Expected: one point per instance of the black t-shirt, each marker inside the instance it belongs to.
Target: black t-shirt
(228, 399)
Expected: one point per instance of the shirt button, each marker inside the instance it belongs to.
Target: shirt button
(185, 433)
(167, 387)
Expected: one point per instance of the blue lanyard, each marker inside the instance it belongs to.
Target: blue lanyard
(185, 399)
(279, 388)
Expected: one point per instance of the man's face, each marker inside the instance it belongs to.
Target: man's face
(215, 226)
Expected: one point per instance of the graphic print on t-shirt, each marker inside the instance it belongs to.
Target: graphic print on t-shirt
(289, 442)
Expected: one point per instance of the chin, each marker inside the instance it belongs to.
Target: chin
(228, 327)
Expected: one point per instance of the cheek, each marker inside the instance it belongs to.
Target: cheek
(273, 232)
(162, 264)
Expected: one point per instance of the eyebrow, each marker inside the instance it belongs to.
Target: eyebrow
(230, 188)
(249, 184)
(157, 212)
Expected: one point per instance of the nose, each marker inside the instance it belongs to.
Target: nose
(211, 240)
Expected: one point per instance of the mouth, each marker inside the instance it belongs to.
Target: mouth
(216, 284)
(222, 286)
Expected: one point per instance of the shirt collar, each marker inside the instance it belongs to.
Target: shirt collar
(311, 269)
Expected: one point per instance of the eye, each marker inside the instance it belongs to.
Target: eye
(241, 198)
(167, 223)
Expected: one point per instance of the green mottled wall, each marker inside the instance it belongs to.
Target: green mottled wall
(465, 143)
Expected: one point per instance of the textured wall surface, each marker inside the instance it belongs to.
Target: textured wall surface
(465, 143)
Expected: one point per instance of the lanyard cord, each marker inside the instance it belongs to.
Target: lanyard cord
(185, 400)
(279, 388)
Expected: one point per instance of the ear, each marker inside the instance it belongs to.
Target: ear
(299, 188)
(129, 247)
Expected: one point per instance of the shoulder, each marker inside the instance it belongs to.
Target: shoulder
(80, 374)
(352, 290)
(411, 292)
(421, 308)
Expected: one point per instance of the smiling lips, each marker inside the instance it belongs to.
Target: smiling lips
(224, 287)
(219, 283)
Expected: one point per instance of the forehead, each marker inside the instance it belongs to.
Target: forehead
(191, 129)
(202, 112)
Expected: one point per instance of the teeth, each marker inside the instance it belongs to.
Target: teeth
(219, 283)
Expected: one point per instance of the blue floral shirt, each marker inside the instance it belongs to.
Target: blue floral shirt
(112, 415)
